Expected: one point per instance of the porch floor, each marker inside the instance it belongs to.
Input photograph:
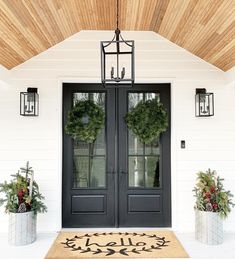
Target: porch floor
(196, 250)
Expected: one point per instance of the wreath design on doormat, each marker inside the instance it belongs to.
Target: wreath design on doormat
(147, 120)
(85, 120)
(160, 243)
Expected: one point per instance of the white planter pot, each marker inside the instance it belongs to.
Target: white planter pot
(22, 228)
(208, 227)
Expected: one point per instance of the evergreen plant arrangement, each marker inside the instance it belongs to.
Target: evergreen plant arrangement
(85, 120)
(213, 204)
(211, 195)
(147, 120)
(22, 201)
(22, 193)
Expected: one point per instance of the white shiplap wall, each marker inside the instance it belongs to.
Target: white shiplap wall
(210, 142)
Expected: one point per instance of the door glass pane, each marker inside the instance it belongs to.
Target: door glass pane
(99, 145)
(98, 98)
(144, 170)
(136, 171)
(152, 173)
(81, 171)
(152, 148)
(151, 96)
(134, 99)
(90, 159)
(80, 147)
(136, 147)
(97, 167)
(80, 96)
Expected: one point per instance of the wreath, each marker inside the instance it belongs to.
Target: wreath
(147, 120)
(85, 120)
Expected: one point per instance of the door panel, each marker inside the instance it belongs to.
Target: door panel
(88, 203)
(144, 170)
(144, 203)
(88, 173)
(117, 180)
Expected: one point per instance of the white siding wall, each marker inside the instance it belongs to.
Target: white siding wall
(210, 142)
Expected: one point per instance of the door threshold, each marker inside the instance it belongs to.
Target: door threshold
(116, 229)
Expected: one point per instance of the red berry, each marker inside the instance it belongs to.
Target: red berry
(215, 206)
(20, 193)
(208, 195)
(212, 189)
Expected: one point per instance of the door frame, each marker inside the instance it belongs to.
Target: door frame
(97, 85)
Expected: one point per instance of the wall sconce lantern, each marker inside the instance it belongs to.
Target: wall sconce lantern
(29, 102)
(204, 103)
(117, 60)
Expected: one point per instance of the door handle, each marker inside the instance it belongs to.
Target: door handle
(123, 172)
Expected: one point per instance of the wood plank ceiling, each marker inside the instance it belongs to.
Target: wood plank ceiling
(206, 28)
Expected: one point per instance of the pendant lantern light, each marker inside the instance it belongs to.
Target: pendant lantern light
(117, 59)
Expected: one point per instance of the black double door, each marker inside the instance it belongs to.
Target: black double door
(117, 181)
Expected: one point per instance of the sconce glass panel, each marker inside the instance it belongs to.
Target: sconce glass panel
(204, 104)
(29, 103)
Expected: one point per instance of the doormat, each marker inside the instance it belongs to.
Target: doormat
(158, 244)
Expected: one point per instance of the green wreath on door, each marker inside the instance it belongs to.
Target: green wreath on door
(85, 120)
(147, 120)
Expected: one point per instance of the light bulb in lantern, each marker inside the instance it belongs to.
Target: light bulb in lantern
(112, 72)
